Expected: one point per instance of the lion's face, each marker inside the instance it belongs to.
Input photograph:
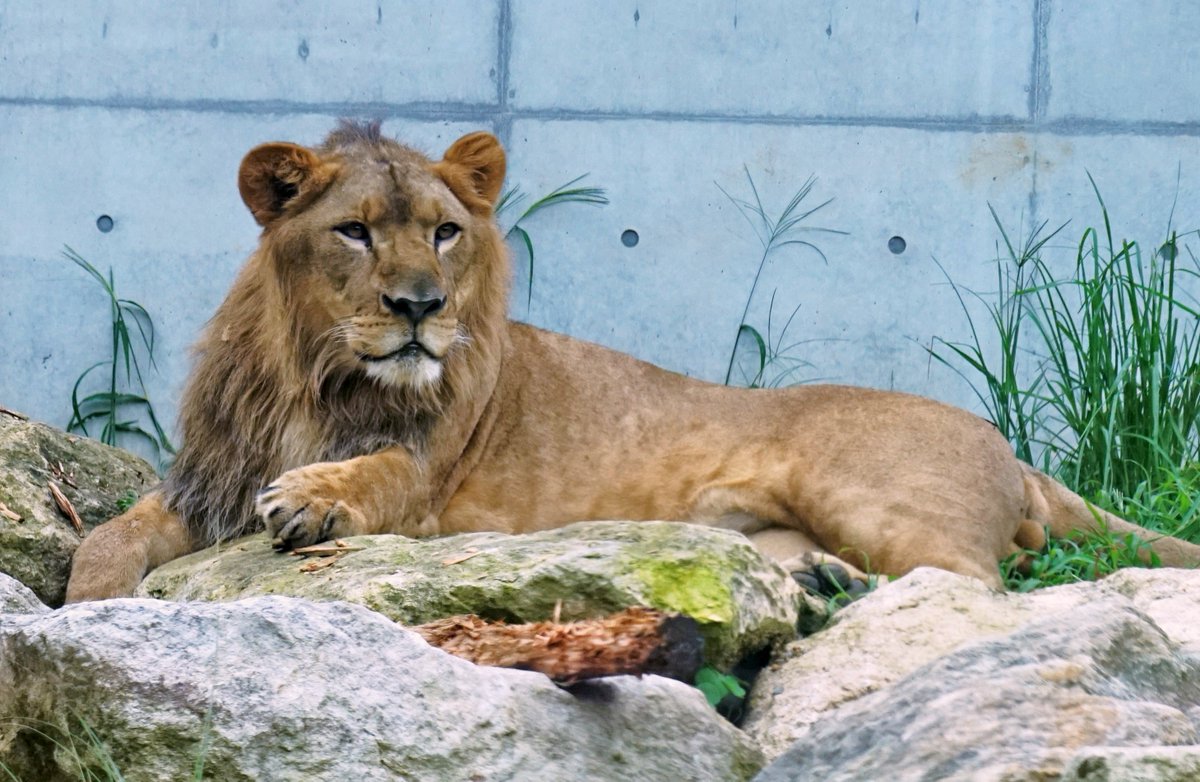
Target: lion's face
(376, 247)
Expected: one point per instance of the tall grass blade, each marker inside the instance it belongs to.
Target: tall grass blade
(773, 234)
(563, 194)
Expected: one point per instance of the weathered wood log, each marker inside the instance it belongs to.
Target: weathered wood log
(634, 641)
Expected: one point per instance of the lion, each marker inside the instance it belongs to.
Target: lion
(362, 377)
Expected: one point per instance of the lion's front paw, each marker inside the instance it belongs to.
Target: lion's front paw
(307, 505)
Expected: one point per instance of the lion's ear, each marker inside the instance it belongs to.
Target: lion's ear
(473, 168)
(273, 175)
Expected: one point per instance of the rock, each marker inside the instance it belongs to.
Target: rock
(1134, 764)
(285, 689)
(16, 598)
(36, 548)
(929, 613)
(874, 657)
(742, 601)
(872, 643)
(1016, 708)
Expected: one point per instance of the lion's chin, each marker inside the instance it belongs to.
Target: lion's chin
(413, 370)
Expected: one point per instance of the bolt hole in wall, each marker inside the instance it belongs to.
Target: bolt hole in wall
(629, 238)
(104, 223)
(897, 245)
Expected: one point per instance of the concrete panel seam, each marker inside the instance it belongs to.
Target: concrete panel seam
(1078, 126)
(382, 110)
(504, 33)
(487, 113)
(1039, 86)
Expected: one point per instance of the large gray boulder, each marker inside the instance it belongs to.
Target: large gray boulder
(277, 688)
(742, 600)
(937, 677)
(36, 539)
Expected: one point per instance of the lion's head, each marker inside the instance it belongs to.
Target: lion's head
(378, 249)
(373, 311)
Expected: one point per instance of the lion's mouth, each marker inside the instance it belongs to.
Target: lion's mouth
(408, 350)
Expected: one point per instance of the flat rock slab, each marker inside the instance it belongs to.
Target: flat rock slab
(277, 688)
(742, 601)
(36, 546)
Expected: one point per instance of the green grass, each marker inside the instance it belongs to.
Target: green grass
(82, 754)
(776, 362)
(569, 193)
(118, 408)
(1089, 558)
(768, 361)
(1097, 381)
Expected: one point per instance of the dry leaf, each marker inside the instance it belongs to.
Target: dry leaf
(66, 507)
(9, 513)
(463, 557)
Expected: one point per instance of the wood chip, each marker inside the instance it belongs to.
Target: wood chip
(9, 513)
(66, 507)
(463, 557)
(14, 414)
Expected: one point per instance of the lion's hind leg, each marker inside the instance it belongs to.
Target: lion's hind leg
(775, 531)
(112, 560)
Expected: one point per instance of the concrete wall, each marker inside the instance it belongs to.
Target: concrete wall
(914, 115)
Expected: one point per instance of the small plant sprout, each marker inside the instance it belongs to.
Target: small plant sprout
(716, 685)
(773, 234)
(569, 193)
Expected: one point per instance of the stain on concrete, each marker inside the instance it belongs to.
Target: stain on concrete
(995, 158)
(302, 51)
(1004, 156)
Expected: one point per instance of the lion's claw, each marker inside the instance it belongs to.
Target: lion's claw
(297, 510)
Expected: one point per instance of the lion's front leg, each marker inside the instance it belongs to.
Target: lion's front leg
(326, 500)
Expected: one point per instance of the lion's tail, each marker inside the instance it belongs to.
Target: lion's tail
(1064, 512)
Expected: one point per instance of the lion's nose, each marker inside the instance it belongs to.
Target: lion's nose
(415, 311)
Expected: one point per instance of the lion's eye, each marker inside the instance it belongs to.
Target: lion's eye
(356, 231)
(445, 232)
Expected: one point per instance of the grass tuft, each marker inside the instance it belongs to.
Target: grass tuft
(116, 408)
(1097, 382)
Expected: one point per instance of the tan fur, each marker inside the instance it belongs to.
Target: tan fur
(293, 420)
